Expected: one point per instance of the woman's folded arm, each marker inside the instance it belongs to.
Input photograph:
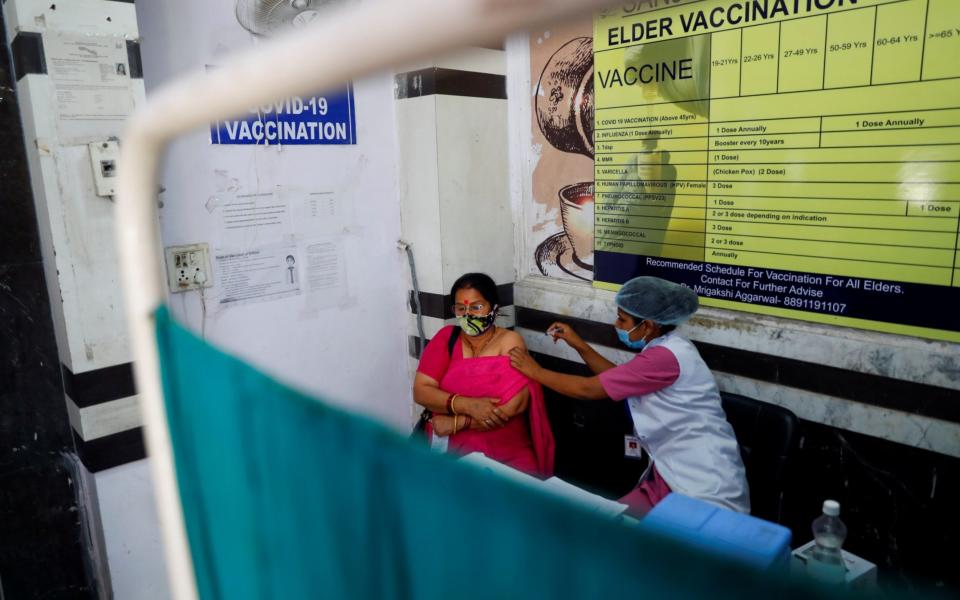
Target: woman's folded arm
(428, 394)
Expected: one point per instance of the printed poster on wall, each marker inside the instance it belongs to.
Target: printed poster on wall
(561, 211)
(258, 274)
(91, 82)
(798, 159)
(325, 119)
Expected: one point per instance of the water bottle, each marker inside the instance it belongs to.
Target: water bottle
(829, 532)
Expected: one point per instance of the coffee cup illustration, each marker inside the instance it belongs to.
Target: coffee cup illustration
(576, 212)
(564, 112)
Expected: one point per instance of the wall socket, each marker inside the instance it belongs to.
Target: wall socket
(188, 267)
(103, 158)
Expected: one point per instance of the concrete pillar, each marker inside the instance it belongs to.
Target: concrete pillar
(454, 189)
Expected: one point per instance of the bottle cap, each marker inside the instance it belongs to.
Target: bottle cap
(831, 508)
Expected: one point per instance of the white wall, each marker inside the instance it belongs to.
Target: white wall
(453, 185)
(132, 532)
(454, 192)
(350, 352)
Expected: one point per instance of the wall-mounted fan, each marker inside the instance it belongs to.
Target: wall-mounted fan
(266, 17)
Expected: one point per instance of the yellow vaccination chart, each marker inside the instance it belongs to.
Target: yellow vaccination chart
(797, 158)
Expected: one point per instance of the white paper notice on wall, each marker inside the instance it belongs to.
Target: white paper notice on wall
(314, 213)
(91, 83)
(258, 274)
(324, 273)
(248, 220)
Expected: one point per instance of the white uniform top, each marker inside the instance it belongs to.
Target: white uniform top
(684, 430)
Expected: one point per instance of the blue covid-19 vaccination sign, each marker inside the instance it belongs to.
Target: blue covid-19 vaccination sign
(327, 119)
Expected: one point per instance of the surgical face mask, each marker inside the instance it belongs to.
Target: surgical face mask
(624, 337)
(473, 325)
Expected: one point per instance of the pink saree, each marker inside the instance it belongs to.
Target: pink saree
(526, 441)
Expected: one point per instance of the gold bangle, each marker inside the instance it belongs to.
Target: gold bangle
(453, 406)
(455, 416)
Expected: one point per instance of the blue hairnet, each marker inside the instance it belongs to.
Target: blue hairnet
(657, 300)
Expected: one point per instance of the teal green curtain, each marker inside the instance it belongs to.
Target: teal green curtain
(287, 497)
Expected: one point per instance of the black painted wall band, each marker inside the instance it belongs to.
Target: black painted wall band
(100, 385)
(28, 56)
(591, 331)
(877, 390)
(133, 57)
(450, 82)
(111, 450)
(438, 305)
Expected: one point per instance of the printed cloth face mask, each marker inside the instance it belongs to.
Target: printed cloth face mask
(473, 325)
(624, 337)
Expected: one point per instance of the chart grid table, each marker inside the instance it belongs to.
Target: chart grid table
(824, 143)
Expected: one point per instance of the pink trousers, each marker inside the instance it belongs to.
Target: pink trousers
(645, 496)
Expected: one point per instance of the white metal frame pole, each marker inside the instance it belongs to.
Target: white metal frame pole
(345, 45)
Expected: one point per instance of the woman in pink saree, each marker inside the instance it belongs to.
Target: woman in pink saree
(478, 400)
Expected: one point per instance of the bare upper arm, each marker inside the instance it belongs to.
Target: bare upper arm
(511, 339)
(421, 380)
